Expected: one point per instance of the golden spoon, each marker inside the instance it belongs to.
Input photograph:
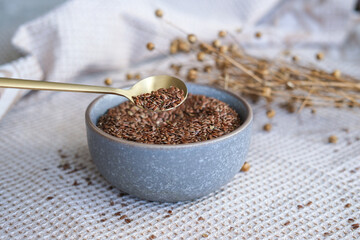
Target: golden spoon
(146, 85)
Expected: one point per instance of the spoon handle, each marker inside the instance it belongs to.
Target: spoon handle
(56, 86)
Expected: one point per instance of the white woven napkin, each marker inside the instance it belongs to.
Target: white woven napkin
(88, 36)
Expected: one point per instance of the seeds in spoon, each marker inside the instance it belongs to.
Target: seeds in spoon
(161, 99)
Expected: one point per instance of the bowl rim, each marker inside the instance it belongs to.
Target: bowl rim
(243, 126)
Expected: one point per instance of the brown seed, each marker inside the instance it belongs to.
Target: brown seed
(320, 56)
(222, 33)
(245, 167)
(190, 122)
(49, 198)
(191, 38)
(326, 234)
(161, 99)
(355, 226)
(152, 236)
(300, 206)
(216, 43)
(150, 46)
(108, 81)
(76, 183)
(333, 139)
(123, 217)
(258, 35)
(200, 56)
(270, 113)
(159, 13)
(347, 205)
(336, 73)
(309, 203)
(169, 212)
(313, 111)
(267, 127)
(127, 220)
(103, 220)
(204, 235)
(286, 223)
(350, 220)
(201, 219)
(117, 214)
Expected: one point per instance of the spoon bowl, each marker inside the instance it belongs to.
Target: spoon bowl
(146, 85)
(154, 83)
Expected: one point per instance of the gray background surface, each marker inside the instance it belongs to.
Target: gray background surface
(12, 14)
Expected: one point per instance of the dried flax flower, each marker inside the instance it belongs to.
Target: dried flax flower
(293, 83)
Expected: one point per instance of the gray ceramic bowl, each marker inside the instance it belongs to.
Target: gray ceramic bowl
(169, 173)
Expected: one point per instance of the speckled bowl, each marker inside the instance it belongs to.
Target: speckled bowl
(169, 173)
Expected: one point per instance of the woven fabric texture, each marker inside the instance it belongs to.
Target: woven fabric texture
(50, 189)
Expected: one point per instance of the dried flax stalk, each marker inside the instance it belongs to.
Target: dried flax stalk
(229, 66)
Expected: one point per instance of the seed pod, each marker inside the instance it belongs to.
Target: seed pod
(223, 49)
(320, 56)
(267, 127)
(216, 43)
(192, 75)
(200, 56)
(270, 113)
(108, 81)
(207, 69)
(336, 73)
(150, 46)
(191, 38)
(333, 139)
(222, 33)
(159, 13)
(184, 46)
